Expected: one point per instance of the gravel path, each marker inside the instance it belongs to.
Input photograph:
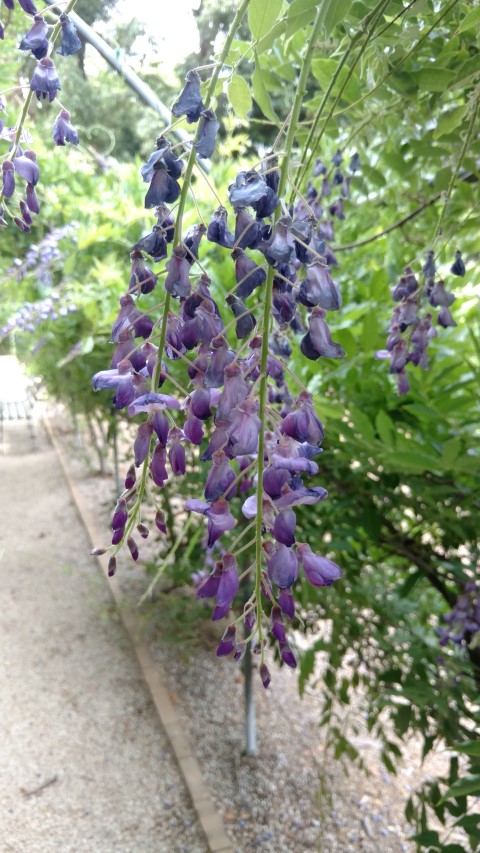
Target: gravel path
(74, 713)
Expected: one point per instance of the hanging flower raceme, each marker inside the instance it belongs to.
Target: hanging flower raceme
(214, 400)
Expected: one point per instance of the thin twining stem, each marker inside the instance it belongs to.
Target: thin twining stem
(209, 184)
(242, 534)
(163, 565)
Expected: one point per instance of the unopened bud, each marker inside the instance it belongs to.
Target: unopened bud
(132, 547)
(143, 530)
(112, 566)
(264, 675)
(160, 521)
(98, 552)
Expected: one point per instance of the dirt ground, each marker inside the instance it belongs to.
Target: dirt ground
(74, 708)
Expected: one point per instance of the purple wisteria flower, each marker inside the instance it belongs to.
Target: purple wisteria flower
(27, 167)
(190, 102)
(319, 571)
(63, 131)
(71, 44)
(208, 128)
(36, 39)
(45, 82)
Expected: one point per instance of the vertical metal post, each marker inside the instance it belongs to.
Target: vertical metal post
(250, 719)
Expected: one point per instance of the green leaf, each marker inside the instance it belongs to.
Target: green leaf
(261, 95)
(427, 838)
(470, 21)
(297, 7)
(449, 120)
(385, 428)
(362, 424)
(471, 747)
(239, 96)
(434, 79)
(334, 11)
(262, 15)
(465, 786)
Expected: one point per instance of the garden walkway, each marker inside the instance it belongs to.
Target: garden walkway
(84, 762)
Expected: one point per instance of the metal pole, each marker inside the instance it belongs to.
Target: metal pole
(250, 718)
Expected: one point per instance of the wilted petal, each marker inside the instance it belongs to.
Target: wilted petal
(220, 478)
(190, 102)
(208, 127)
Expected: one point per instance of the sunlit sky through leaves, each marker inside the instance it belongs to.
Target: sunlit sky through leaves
(171, 24)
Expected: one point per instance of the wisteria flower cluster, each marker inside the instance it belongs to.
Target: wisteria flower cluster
(20, 170)
(464, 619)
(411, 328)
(252, 434)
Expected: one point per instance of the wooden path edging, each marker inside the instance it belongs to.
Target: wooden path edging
(208, 815)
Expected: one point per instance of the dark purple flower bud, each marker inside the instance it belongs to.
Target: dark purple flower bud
(171, 162)
(286, 603)
(403, 385)
(154, 244)
(458, 267)
(246, 321)
(229, 582)
(200, 404)
(281, 246)
(63, 130)
(70, 41)
(132, 547)
(338, 178)
(439, 297)
(445, 318)
(220, 478)
(112, 566)
(235, 391)
(337, 158)
(399, 355)
(120, 515)
(318, 570)
(227, 644)
(45, 82)
(318, 341)
(325, 230)
(248, 274)
(274, 479)
(221, 357)
(244, 428)
(284, 306)
(287, 655)
(142, 279)
(217, 231)
(27, 5)
(208, 127)
(177, 281)
(276, 625)
(428, 268)
(26, 166)
(160, 521)
(193, 429)
(8, 186)
(284, 527)
(143, 530)
(11, 5)
(25, 213)
(157, 465)
(159, 423)
(192, 241)
(302, 424)
(36, 39)
(190, 102)
(176, 452)
(247, 229)
(264, 675)
(220, 520)
(141, 445)
(302, 229)
(130, 478)
(282, 565)
(319, 288)
(2, 36)
(21, 225)
(118, 535)
(355, 164)
(163, 188)
(31, 198)
(166, 220)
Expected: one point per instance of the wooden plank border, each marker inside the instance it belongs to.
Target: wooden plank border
(209, 817)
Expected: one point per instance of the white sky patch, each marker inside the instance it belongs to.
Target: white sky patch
(172, 24)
